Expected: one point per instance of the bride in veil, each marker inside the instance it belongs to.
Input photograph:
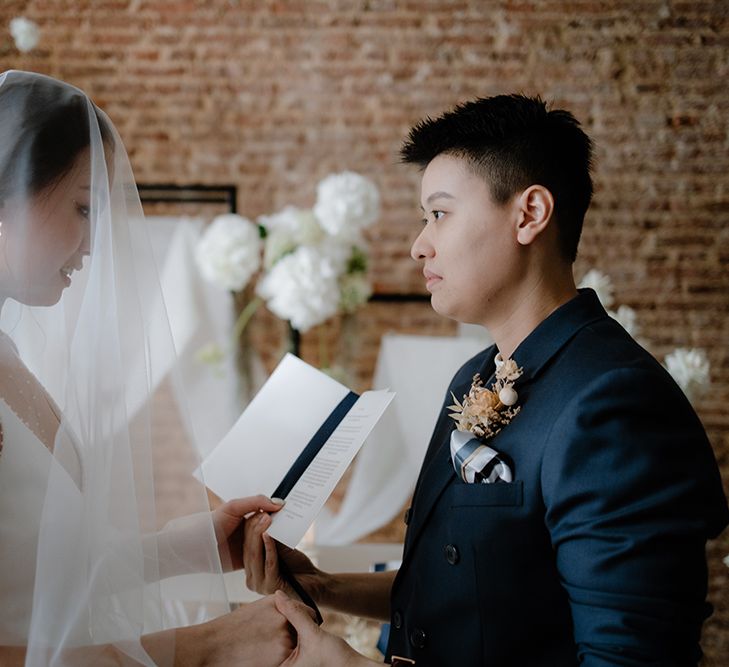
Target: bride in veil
(83, 546)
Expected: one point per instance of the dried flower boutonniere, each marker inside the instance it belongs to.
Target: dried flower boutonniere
(484, 412)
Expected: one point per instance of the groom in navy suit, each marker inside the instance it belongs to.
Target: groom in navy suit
(591, 550)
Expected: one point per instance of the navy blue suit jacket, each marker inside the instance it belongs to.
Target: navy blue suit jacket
(595, 553)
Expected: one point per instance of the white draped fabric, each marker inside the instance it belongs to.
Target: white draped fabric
(200, 314)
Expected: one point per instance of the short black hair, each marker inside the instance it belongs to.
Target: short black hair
(514, 141)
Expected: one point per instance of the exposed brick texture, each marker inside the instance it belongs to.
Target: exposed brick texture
(273, 95)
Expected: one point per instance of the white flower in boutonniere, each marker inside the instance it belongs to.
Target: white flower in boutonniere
(484, 412)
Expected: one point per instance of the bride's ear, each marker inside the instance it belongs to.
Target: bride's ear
(536, 206)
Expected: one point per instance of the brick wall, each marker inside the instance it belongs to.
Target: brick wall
(273, 95)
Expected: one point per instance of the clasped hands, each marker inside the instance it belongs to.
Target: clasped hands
(260, 556)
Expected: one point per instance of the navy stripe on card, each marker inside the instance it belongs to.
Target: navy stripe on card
(315, 444)
(297, 470)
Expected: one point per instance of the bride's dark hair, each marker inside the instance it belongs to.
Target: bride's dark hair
(47, 131)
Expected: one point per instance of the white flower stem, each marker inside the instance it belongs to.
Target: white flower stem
(245, 317)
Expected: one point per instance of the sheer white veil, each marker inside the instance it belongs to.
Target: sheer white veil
(99, 347)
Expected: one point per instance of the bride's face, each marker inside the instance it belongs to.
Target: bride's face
(46, 238)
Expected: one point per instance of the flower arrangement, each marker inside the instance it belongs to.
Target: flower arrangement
(312, 263)
(484, 412)
(25, 33)
(688, 367)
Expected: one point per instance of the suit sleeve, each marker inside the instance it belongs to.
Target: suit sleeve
(632, 492)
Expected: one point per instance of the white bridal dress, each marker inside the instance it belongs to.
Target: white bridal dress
(90, 525)
(24, 469)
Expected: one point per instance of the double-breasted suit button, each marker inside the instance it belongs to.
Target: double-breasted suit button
(451, 553)
(397, 620)
(417, 638)
(406, 517)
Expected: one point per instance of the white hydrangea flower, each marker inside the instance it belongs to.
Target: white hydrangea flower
(627, 318)
(302, 288)
(726, 561)
(287, 218)
(602, 285)
(278, 243)
(338, 250)
(355, 289)
(300, 223)
(25, 33)
(346, 203)
(286, 230)
(690, 369)
(229, 252)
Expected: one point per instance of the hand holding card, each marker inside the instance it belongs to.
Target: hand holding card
(294, 440)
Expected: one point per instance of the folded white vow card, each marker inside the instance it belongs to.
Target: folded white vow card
(295, 440)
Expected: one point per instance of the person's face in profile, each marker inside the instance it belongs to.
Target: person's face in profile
(468, 244)
(46, 238)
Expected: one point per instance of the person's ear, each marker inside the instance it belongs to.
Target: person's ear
(536, 206)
